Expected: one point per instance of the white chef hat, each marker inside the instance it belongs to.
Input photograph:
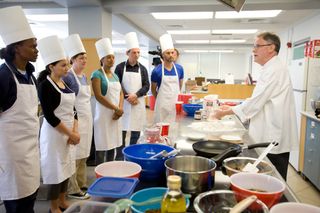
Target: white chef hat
(166, 42)
(14, 25)
(131, 40)
(51, 49)
(104, 48)
(73, 45)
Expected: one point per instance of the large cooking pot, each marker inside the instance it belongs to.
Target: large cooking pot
(197, 173)
(220, 150)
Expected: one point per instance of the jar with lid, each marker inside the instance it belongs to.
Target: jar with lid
(197, 115)
(173, 201)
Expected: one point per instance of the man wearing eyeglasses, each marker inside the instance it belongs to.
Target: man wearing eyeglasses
(271, 108)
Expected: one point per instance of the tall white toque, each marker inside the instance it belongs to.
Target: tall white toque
(166, 42)
(131, 40)
(14, 26)
(51, 49)
(104, 48)
(73, 45)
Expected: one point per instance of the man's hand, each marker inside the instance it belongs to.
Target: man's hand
(74, 138)
(132, 98)
(221, 112)
(115, 116)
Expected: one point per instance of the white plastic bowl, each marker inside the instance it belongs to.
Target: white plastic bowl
(118, 169)
(294, 208)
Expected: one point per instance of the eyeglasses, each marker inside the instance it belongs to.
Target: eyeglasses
(256, 46)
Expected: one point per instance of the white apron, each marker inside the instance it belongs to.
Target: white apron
(57, 156)
(107, 132)
(85, 123)
(165, 108)
(19, 151)
(134, 116)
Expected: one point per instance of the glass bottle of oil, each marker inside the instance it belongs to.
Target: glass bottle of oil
(174, 200)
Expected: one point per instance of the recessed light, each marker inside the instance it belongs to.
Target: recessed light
(247, 14)
(183, 15)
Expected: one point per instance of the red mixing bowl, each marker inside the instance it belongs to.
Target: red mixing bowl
(268, 189)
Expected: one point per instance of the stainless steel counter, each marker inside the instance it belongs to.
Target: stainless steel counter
(179, 133)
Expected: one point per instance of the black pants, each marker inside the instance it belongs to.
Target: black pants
(133, 140)
(281, 162)
(104, 156)
(22, 205)
(54, 190)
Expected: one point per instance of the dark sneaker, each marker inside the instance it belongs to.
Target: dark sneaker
(84, 189)
(79, 196)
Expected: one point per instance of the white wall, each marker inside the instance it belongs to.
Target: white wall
(215, 65)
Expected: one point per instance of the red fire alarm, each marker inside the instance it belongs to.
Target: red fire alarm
(289, 44)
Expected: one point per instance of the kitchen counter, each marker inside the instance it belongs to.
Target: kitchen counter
(310, 114)
(179, 132)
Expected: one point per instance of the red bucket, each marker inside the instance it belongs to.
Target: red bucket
(184, 98)
(152, 102)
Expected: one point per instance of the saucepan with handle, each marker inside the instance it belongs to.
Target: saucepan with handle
(220, 150)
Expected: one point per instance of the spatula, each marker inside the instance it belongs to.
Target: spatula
(243, 204)
(253, 167)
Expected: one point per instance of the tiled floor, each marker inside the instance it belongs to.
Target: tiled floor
(303, 189)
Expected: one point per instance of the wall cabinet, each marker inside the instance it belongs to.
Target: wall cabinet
(311, 167)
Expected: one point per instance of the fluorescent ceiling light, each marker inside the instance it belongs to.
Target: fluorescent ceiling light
(192, 41)
(183, 15)
(247, 31)
(229, 41)
(48, 17)
(247, 14)
(189, 32)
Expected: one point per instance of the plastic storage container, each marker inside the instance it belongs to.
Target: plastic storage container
(91, 206)
(113, 187)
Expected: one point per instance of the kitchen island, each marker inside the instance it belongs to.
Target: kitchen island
(180, 133)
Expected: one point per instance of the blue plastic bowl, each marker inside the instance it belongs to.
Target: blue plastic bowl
(141, 153)
(190, 109)
(147, 194)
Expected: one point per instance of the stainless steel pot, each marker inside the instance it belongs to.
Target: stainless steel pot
(234, 165)
(197, 173)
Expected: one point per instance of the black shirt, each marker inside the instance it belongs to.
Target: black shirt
(8, 87)
(50, 100)
(144, 76)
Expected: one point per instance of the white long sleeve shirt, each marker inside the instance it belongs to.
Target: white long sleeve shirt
(271, 108)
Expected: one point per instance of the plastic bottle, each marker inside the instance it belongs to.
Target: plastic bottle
(174, 200)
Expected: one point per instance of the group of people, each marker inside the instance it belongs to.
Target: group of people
(61, 146)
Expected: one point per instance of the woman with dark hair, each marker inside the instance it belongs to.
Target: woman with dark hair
(77, 81)
(109, 106)
(19, 123)
(59, 131)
